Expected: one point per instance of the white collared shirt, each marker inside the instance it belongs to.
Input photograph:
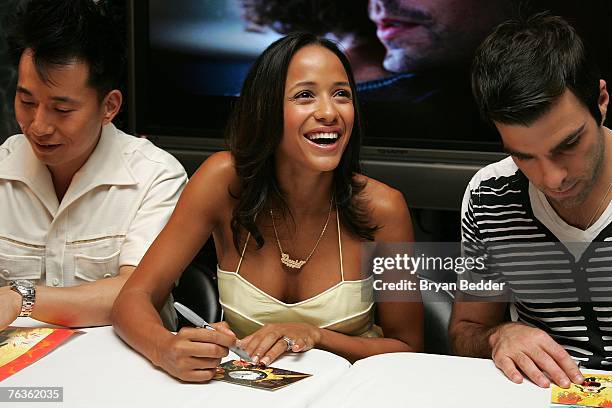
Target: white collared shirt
(114, 208)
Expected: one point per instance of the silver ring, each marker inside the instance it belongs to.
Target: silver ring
(290, 342)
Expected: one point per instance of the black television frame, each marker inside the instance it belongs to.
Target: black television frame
(429, 178)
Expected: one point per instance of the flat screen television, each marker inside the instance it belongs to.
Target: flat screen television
(190, 57)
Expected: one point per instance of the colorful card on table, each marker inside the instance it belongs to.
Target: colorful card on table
(257, 376)
(20, 347)
(595, 391)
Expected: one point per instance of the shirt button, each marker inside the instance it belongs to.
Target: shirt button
(5, 273)
(55, 282)
(107, 275)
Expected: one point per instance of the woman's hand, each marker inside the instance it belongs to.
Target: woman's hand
(267, 344)
(193, 354)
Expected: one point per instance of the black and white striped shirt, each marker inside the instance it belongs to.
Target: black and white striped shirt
(559, 277)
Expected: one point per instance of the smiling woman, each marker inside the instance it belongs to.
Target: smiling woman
(289, 211)
(318, 109)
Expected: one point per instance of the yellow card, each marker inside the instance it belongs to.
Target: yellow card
(595, 391)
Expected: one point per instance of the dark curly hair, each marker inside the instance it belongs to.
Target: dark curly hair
(255, 131)
(315, 16)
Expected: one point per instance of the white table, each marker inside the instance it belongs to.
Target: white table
(97, 369)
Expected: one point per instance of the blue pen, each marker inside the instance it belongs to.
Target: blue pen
(199, 322)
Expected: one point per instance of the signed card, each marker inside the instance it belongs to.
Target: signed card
(257, 376)
(595, 391)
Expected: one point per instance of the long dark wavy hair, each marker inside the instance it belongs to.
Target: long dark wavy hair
(255, 131)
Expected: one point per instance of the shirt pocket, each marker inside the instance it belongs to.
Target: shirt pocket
(93, 268)
(96, 259)
(20, 261)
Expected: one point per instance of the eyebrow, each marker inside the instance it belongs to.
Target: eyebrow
(568, 140)
(312, 83)
(64, 99)
(558, 148)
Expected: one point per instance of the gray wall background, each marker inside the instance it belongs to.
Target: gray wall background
(8, 76)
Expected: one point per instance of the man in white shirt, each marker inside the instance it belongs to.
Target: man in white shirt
(544, 215)
(81, 200)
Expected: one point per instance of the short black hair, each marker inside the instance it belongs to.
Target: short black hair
(525, 65)
(60, 32)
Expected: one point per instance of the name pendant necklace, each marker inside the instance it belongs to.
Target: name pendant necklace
(298, 263)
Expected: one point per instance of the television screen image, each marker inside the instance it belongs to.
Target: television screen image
(411, 60)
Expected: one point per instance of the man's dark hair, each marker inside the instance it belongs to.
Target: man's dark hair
(255, 130)
(61, 32)
(525, 65)
(315, 16)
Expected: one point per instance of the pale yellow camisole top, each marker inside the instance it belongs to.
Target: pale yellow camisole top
(347, 307)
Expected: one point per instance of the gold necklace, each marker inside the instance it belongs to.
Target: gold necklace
(298, 263)
(603, 200)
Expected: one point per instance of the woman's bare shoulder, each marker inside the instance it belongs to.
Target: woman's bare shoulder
(220, 164)
(387, 207)
(382, 198)
(217, 172)
(215, 183)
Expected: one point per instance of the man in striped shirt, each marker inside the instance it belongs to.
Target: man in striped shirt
(543, 215)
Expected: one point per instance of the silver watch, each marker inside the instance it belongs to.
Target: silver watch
(27, 290)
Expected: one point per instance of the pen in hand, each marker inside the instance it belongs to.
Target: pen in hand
(199, 322)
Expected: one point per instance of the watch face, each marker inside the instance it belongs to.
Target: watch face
(25, 283)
